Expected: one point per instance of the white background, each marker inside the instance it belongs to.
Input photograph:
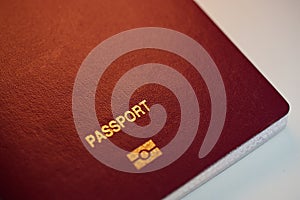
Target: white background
(268, 33)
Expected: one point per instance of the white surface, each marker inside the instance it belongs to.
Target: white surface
(268, 33)
(231, 158)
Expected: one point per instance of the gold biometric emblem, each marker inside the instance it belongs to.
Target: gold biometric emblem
(144, 154)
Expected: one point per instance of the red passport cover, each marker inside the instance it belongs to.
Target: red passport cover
(47, 132)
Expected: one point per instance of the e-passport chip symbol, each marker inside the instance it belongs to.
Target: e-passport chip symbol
(144, 154)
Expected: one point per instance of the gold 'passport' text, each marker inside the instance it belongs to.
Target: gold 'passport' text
(118, 123)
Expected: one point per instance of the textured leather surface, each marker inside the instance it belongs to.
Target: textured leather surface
(43, 44)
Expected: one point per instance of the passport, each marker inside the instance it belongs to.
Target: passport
(124, 100)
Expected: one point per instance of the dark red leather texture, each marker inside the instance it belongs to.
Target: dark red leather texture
(42, 46)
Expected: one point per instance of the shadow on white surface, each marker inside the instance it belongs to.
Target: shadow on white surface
(263, 174)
